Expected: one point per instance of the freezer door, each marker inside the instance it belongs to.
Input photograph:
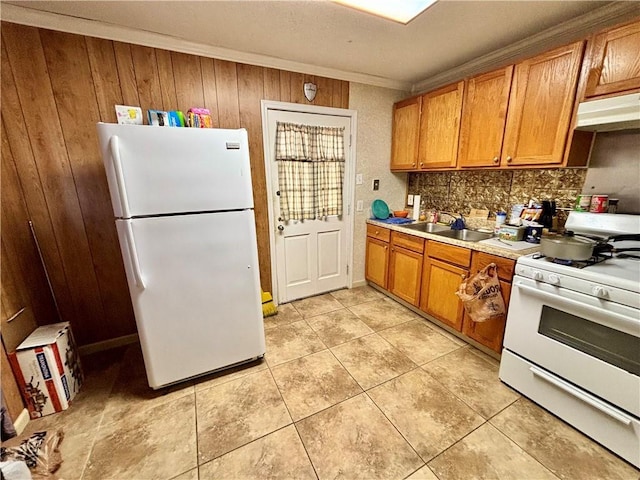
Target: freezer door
(195, 291)
(155, 170)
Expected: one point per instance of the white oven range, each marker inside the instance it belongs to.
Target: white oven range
(572, 340)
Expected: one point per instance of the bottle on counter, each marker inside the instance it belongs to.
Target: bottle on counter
(423, 212)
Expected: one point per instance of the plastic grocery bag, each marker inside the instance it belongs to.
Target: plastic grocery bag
(40, 452)
(481, 295)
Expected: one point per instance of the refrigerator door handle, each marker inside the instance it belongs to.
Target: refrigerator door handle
(114, 147)
(133, 254)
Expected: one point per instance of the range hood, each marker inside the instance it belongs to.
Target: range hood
(614, 113)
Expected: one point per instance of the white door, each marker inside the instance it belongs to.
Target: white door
(310, 255)
(194, 286)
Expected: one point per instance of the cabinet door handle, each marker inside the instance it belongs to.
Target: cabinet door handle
(463, 275)
(413, 164)
(496, 159)
(422, 164)
(385, 247)
(509, 159)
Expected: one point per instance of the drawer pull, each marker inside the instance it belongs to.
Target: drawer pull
(588, 399)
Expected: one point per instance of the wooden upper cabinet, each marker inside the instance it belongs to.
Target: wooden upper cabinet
(440, 127)
(404, 144)
(614, 58)
(541, 106)
(484, 116)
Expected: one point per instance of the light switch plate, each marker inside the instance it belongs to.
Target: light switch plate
(376, 184)
(410, 200)
(359, 179)
(359, 206)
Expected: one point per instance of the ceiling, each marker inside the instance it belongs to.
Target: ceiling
(321, 37)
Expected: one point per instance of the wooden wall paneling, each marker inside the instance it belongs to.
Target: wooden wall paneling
(324, 92)
(20, 250)
(167, 80)
(271, 84)
(19, 148)
(147, 78)
(16, 306)
(336, 94)
(345, 95)
(285, 86)
(126, 73)
(250, 92)
(28, 63)
(297, 86)
(209, 89)
(104, 72)
(70, 76)
(18, 318)
(227, 91)
(10, 391)
(188, 77)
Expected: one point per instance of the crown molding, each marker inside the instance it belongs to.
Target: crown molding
(569, 31)
(92, 28)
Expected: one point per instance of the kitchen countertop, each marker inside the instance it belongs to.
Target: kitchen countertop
(483, 246)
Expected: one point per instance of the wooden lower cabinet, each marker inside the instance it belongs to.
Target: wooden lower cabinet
(405, 273)
(377, 261)
(440, 281)
(427, 275)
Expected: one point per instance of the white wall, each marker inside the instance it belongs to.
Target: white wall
(374, 106)
(614, 169)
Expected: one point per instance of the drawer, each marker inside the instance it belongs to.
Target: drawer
(449, 253)
(378, 232)
(410, 242)
(506, 266)
(605, 423)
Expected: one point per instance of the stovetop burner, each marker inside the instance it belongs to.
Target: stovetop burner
(594, 260)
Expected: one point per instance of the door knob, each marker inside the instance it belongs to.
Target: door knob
(281, 227)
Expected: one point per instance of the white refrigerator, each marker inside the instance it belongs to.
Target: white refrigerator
(183, 203)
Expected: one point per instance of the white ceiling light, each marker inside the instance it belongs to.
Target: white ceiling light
(399, 11)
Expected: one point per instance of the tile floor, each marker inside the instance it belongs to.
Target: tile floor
(353, 386)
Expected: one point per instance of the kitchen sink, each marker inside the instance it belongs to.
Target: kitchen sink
(428, 227)
(466, 235)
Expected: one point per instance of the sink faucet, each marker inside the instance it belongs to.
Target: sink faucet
(456, 222)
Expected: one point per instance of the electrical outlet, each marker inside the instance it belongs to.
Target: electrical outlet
(376, 184)
(359, 179)
(410, 200)
(359, 206)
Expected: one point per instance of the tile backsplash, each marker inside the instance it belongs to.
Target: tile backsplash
(460, 191)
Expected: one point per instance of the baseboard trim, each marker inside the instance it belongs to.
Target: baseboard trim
(108, 344)
(358, 283)
(21, 422)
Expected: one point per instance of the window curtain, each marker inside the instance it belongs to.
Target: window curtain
(310, 170)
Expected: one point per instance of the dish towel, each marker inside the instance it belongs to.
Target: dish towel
(394, 220)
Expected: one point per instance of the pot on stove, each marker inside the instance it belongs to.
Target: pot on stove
(567, 247)
(580, 247)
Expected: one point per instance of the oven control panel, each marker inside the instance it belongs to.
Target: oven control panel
(583, 285)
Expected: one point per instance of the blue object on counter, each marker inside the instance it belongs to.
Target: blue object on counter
(394, 220)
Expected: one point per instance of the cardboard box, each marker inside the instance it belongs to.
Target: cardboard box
(47, 368)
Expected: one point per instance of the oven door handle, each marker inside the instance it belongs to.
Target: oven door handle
(588, 399)
(597, 315)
